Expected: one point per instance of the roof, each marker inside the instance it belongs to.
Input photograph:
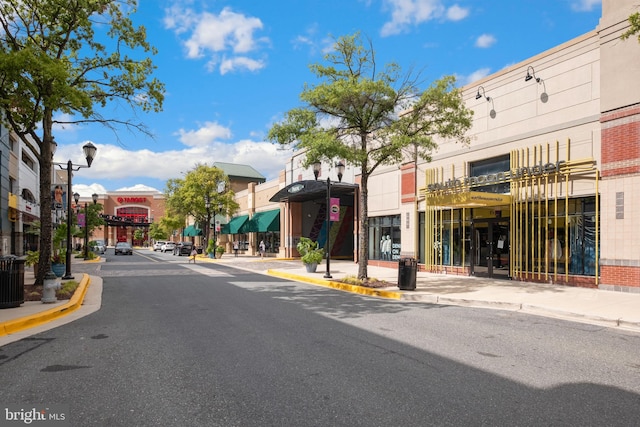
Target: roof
(235, 171)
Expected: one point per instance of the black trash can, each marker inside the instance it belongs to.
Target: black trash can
(11, 282)
(407, 271)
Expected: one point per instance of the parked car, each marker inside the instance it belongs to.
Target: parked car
(123, 248)
(157, 246)
(98, 246)
(183, 248)
(168, 247)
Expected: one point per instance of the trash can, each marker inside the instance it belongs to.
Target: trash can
(11, 281)
(407, 270)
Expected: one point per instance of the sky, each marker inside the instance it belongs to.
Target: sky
(232, 69)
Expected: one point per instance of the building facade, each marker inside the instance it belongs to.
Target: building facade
(543, 192)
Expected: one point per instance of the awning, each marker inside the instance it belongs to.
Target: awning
(261, 222)
(233, 227)
(191, 231)
(303, 191)
(468, 199)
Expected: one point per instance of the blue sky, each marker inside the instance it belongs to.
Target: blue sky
(232, 68)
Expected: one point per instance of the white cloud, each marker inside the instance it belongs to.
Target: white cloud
(87, 190)
(457, 13)
(208, 34)
(203, 146)
(475, 76)
(240, 62)
(204, 136)
(407, 13)
(485, 40)
(585, 5)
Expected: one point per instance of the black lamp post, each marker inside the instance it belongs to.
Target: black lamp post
(89, 151)
(207, 205)
(317, 166)
(215, 242)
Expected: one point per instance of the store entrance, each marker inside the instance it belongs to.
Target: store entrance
(490, 252)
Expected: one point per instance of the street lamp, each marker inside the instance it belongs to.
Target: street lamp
(207, 205)
(94, 197)
(317, 166)
(215, 242)
(89, 151)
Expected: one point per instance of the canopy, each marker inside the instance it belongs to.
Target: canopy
(302, 191)
(192, 231)
(233, 227)
(262, 222)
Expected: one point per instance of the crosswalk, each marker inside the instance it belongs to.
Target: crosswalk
(177, 270)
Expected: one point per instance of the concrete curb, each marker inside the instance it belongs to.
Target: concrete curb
(33, 320)
(338, 285)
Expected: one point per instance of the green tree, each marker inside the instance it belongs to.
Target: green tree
(370, 118)
(634, 29)
(187, 197)
(52, 60)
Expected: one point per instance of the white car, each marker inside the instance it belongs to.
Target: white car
(157, 246)
(98, 246)
(168, 247)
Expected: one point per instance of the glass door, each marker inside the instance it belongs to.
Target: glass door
(490, 248)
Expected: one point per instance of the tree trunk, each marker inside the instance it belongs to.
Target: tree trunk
(45, 162)
(363, 250)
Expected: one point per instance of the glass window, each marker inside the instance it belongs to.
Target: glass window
(384, 238)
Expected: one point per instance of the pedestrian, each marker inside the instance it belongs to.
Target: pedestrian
(192, 256)
(236, 246)
(262, 248)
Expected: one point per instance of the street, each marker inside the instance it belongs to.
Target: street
(178, 344)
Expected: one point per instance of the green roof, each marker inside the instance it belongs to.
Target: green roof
(233, 170)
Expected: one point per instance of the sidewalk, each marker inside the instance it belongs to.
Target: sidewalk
(592, 306)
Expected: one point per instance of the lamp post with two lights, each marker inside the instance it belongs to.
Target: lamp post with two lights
(94, 197)
(317, 166)
(89, 151)
(207, 205)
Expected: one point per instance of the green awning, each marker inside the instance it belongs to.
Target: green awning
(262, 222)
(191, 231)
(233, 227)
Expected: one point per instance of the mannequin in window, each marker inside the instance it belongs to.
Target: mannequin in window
(382, 246)
(554, 249)
(387, 248)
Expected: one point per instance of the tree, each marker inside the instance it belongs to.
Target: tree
(634, 21)
(52, 61)
(370, 118)
(186, 197)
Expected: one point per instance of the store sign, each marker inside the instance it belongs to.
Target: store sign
(132, 199)
(496, 178)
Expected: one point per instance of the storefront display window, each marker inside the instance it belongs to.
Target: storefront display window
(384, 238)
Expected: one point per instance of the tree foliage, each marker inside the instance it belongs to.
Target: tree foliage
(187, 197)
(369, 117)
(634, 29)
(71, 58)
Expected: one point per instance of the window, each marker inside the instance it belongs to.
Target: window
(27, 160)
(384, 238)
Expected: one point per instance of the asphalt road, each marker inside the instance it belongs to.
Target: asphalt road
(178, 344)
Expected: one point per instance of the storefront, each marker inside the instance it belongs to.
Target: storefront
(516, 216)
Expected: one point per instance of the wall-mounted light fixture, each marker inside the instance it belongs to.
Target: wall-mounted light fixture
(478, 95)
(531, 75)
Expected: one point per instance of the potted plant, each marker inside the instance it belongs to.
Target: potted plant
(219, 251)
(311, 254)
(58, 261)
